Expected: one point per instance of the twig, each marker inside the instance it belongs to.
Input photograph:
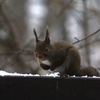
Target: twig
(80, 40)
(27, 51)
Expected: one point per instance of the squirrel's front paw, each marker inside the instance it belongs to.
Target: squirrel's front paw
(45, 67)
(63, 75)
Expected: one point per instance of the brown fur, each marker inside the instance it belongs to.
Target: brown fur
(61, 53)
(89, 71)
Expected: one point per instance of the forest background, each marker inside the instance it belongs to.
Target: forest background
(66, 19)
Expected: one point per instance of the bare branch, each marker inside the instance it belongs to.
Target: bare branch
(80, 40)
(76, 39)
(26, 51)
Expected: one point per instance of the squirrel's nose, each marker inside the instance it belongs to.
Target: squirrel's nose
(40, 57)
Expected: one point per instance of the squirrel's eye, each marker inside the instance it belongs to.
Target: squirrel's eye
(46, 49)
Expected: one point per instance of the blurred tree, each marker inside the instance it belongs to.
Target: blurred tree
(66, 19)
(86, 33)
(13, 19)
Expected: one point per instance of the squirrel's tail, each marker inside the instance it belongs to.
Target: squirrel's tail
(89, 71)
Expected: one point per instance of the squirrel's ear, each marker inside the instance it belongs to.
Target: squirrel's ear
(47, 39)
(35, 35)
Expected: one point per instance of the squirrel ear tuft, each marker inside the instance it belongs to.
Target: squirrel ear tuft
(34, 31)
(47, 39)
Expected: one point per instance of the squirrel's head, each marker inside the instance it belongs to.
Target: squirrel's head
(43, 48)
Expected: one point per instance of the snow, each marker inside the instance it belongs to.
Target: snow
(4, 73)
(56, 74)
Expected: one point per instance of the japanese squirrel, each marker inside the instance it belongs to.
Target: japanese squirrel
(60, 56)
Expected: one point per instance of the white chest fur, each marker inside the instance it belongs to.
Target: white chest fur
(60, 69)
(46, 62)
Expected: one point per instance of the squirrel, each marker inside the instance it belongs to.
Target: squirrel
(61, 57)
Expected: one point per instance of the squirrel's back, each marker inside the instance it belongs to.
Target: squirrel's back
(61, 44)
(70, 55)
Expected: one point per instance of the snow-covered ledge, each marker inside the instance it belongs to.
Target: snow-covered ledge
(4, 73)
(15, 86)
(56, 74)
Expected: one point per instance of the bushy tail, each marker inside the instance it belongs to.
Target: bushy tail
(89, 71)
